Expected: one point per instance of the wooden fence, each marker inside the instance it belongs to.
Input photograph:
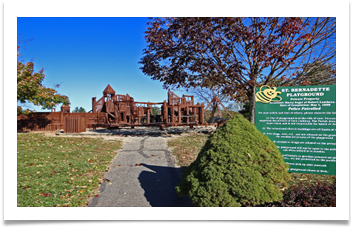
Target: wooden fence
(51, 121)
(75, 124)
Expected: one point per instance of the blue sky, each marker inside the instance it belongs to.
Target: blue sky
(85, 54)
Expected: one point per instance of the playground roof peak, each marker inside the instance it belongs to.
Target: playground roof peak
(108, 90)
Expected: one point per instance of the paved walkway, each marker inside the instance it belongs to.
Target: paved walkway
(142, 175)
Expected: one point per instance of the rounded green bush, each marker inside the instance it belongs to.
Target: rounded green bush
(238, 166)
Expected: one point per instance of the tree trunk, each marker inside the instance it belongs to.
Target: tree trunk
(214, 108)
(251, 96)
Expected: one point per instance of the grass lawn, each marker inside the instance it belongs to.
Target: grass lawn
(186, 149)
(61, 171)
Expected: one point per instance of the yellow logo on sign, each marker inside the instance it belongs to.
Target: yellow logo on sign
(268, 95)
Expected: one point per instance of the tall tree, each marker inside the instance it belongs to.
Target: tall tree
(31, 89)
(316, 73)
(156, 110)
(236, 54)
(79, 110)
(206, 95)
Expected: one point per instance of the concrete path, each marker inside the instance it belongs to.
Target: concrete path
(142, 175)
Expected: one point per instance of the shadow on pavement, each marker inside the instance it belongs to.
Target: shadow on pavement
(144, 130)
(134, 132)
(159, 186)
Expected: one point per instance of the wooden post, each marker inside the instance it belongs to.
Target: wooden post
(172, 115)
(219, 112)
(122, 117)
(19, 121)
(225, 109)
(93, 104)
(165, 112)
(115, 114)
(179, 114)
(201, 114)
(119, 113)
(138, 115)
(62, 120)
(132, 109)
(148, 114)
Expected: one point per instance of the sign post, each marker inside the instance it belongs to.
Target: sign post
(301, 121)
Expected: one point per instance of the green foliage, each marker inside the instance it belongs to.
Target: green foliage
(238, 166)
(20, 110)
(156, 110)
(246, 109)
(31, 89)
(79, 110)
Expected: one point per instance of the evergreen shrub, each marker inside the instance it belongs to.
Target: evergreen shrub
(238, 166)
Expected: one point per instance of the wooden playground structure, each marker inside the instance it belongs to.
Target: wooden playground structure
(115, 110)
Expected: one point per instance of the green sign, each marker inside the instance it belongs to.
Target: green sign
(301, 121)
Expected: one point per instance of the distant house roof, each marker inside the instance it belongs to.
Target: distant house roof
(108, 90)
